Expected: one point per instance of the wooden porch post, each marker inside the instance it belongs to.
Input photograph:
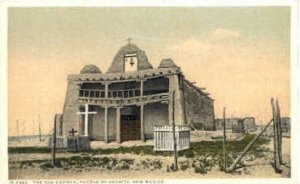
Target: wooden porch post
(106, 124)
(118, 119)
(106, 90)
(142, 88)
(142, 123)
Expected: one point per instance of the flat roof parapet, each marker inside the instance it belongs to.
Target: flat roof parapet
(143, 74)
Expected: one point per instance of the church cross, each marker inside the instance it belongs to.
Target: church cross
(129, 40)
(86, 118)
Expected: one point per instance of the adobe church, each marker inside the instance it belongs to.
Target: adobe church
(132, 97)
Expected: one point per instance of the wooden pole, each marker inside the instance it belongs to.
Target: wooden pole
(279, 133)
(54, 142)
(248, 147)
(174, 136)
(275, 130)
(40, 136)
(17, 145)
(224, 139)
(18, 130)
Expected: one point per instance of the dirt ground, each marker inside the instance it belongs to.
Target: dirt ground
(258, 168)
(259, 171)
(196, 136)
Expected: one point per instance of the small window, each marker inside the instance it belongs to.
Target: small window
(130, 62)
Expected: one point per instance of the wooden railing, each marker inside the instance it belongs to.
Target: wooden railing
(89, 93)
(92, 93)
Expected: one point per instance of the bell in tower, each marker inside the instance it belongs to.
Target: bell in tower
(130, 62)
(129, 58)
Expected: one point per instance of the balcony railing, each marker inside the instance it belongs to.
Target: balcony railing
(89, 93)
(92, 93)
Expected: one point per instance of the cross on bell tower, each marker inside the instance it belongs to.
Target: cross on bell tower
(129, 40)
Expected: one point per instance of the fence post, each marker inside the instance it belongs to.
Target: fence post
(54, 142)
(174, 136)
(279, 133)
(232, 167)
(224, 140)
(40, 133)
(275, 130)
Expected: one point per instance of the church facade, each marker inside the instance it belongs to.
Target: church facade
(132, 97)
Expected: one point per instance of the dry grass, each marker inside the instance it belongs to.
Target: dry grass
(201, 158)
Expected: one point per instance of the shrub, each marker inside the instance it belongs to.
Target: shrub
(189, 154)
(157, 164)
(184, 165)
(202, 166)
(46, 166)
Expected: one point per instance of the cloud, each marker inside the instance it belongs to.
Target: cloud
(235, 73)
(221, 33)
(215, 42)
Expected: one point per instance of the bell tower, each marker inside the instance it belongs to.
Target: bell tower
(130, 62)
(129, 58)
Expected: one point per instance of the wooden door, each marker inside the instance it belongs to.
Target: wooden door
(130, 127)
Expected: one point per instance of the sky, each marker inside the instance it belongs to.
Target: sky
(241, 55)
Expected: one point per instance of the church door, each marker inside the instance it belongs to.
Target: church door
(130, 127)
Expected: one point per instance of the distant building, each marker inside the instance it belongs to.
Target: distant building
(285, 128)
(131, 98)
(246, 124)
(249, 123)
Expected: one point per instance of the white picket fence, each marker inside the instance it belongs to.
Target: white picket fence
(163, 138)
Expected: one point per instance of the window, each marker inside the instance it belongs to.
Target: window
(130, 62)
